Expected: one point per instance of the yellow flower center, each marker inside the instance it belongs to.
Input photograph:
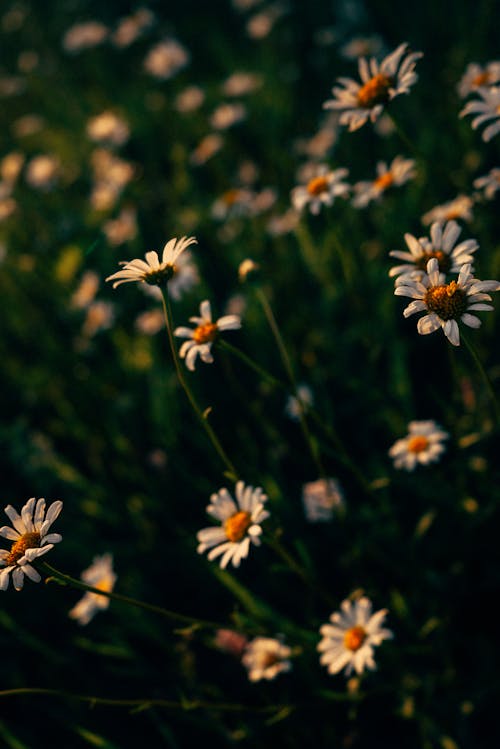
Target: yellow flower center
(418, 444)
(448, 301)
(18, 549)
(105, 584)
(236, 526)
(442, 258)
(481, 79)
(354, 638)
(384, 181)
(160, 276)
(230, 197)
(317, 186)
(453, 214)
(375, 91)
(205, 333)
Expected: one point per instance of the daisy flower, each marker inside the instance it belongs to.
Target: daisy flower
(441, 246)
(99, 575)
(458, 208)
(240, 524)
(321, 498)
(487, 107)
(423, 444)
(446, 303)
(30, 538)
(152, 270)
(202, 337)
(321, 189)
(477, 76)
(266, 657)
(350, 638)
(380, 83)
(490, 183)
(400, 171)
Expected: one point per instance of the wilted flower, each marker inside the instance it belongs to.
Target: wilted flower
(350, 638)
(422, 445)
(30, 538)
(321, 189)
(487, 107)
(321, 499)
(166, 59)
(109, 128)
(266, 657)
(479, 76)
(99, 575)
(240, 524)
(458, 208)
(202, 337)
(152, 270)
(380, 83)
(400, 171)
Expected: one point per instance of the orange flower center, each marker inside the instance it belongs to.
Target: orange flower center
(418, 444)
(354, 638)
(18, 549)
(205, 333)
(442, 258)
(384, 181)
(317, 186)
(105, 584)
(448, 301)
(375, 91)
(481, 79)
(236, 526)
(230, 197)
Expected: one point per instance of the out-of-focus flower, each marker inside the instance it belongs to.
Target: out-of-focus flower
(42, 171)
(190, 99)
(166, 59)
(152, 270)
(266, 657)
(86, 290)
(261, 24)
(8, 206)
(99, 575)
(320, 190)
(361, 46)
(84, 36)
(283, 224)
(234, 202)
(487, 107)
(30, 540)
(121, 229)
(444, 303)
(422, 445)
(27, 125)
(108, 128)
(299, 403)
(398, 173)
(230, 642)
(10, 166)
(226, 115)
(11, 85)
(458, 208)
(247, 269)
(131, 27)
(380, 83)
(206, 148)
(111, 176)
(479, 76)
(240, 524)
(489, 183)
(441, 246)
(150, 322)
(348, 641)
(201, 338)
(319, 144)
(28, 61)
(100, 316)
(240, 84)
(321, 499)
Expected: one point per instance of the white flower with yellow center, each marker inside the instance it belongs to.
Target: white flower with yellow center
(479, 76)
(153, 271)
(446, 303)
(380, 83)
(99, 575)
(422, 445)
(30, 538)
(349, 640)
(324, 186)
(458, 208)
(487, 107)
(400, 171)
(441, 246)
(203, 335)
(489, 183)
(266, 657)
(240, 520)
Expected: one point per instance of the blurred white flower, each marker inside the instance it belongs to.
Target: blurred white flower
(240, 84)
(190, 99)
(398, 173)
(131, 27)
(422, 445)
(489, 183)
(42, 171)
(150, 322)
(266, 657)
(300, 402)
(99, 575)
(206, 148)
(108, 128)
(152, 270)
(86, 290)
(321, 499)
(458, 208)
(201, 338)
(479, 76)
(166, 59)
(321, 189)
(100, 316)
(487, 107)
(84, 36)
(226, 115)
(361, 46)
(121, 229)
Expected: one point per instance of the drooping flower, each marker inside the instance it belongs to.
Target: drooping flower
(380, 83)
(348, 641)
(30, 538)
(446, 303)
(152, 270)
(400, 171)
(99, 575)
(479, 76)
(240, 524)
(324, 186)
(422, 445)
(202, 337)
(487, 107)
(266, 657)
(441, 246)
(321, 499)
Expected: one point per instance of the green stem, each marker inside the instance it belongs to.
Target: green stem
(295, 567)
(267, 376)
(172, 615)
(402, 134)
(489, 387)
(167, 310)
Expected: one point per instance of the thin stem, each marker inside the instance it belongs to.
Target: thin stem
(404, 137)
(308, 250)
(267, 376)
(172, 615)
(233, 474)
(489, 387)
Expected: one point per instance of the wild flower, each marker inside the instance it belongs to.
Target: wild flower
(99, 575)
(422, 445)
(399, 172)
(321, 190)
(266, 657)
(153, 271)
(486, 107)
(201, 338)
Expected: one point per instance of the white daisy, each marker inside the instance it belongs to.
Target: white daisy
(298, 404)
(30, 538)
(240, 524)
(321, 499)
(458, 208)
(487, 107)
(153, 271)
(166, 59)
(400, 171)
(99, 575)
(266, 657)
(489, 183)
(478, 76)
(422, 445)
(321, 189)
(441, 246)
(350, 638)
(202, 337)
(380, 83)
(108, 128)
(446, 303)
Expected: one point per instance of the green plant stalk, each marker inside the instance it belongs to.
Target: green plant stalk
(489, 387)
(402, 134)
(167, 310)
(267, 376)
